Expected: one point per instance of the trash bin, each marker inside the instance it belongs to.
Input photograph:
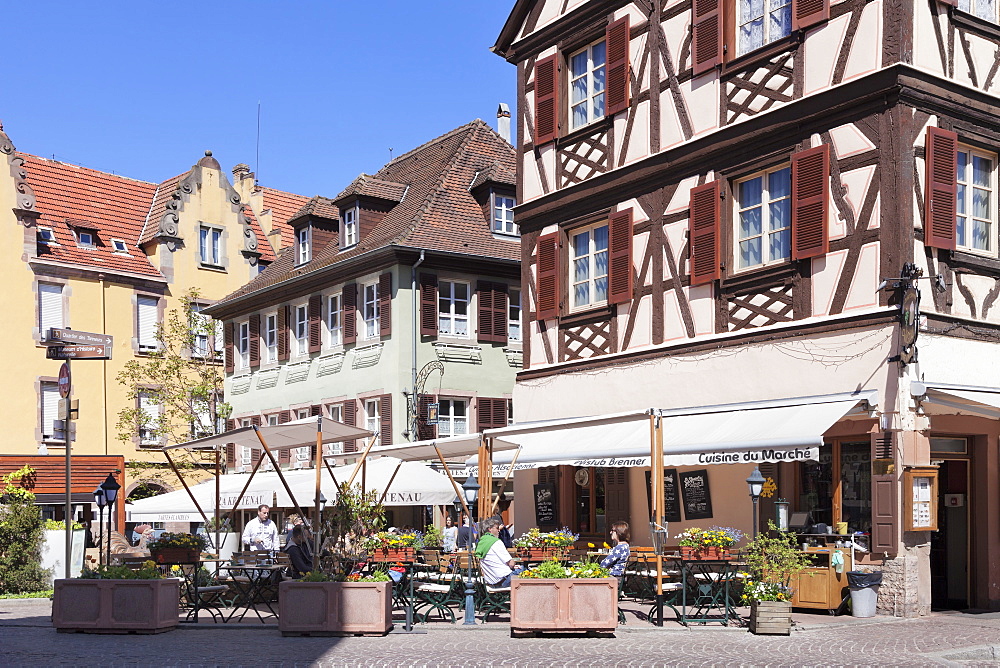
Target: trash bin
(864, 592)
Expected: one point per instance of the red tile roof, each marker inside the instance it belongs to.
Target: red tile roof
(283, 207)
(321, 207)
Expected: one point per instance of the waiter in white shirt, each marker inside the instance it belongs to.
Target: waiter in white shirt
(260, 533)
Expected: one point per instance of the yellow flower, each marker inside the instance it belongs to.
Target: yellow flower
(175, 568)
(590, 545)
(606, 544)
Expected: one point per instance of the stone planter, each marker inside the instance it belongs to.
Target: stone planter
(541, 553)
(585, 604)
(705, 553)
(175, 555)
(334, 608)
(394, 554)
(771, 617)
(115, 606)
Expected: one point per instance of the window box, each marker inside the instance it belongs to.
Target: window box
(585, 604)
(334, 608)
(116, 606)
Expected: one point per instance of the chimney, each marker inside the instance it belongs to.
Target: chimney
(503, 121)
(242, 171)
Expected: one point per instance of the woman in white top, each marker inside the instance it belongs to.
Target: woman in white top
(450, 535)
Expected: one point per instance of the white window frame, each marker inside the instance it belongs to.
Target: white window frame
(592, 279)
(514, 332)
(589, 77)
(119, 246)
(210, 245)
(47, 236)
(373, 417)
(765, 204)
(335, 412)
(300, 315)
(51, 309)
(304, 238)
(49, 403)
(350, 226)
(963, 228)
(202, 346)
(272, 420)
(146, 404)
(972, 7)
(370, 313)
(449, 318)
(503, 214)
(271, 336)
(243, 343)
(85, 239)
(334, 320)
(768, 32)
(147, 314)
(450, 422)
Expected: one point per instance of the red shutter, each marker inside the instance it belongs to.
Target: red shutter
(620, 257)
(941, 185)
(490, 413)
(706, 35)
(256, 420)
(546, 100)
(385, 419)
(255, 340)
(230, 455)
(806, 13)
(492, 311)
(349, 299)
(315, 323)
(258, 454)
(703, 233)
(283, 332)
(428, 305)
(810, 197)
(425, 431)
(228, 334)
(284, 456)
(547, 270)
(349, 415)
(230, 424)
(315, 410)
(284, 416)
(385, 304)
(617, 37)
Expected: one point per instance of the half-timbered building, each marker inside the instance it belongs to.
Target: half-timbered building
(726, 202)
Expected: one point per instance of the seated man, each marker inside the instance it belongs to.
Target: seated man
(494, 560)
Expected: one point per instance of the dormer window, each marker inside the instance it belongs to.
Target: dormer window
(350, 221)
(503, 214)
(85, 239)
(46, 236)
(304, 238)
(119, 246)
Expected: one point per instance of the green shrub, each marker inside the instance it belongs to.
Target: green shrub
(21, 537)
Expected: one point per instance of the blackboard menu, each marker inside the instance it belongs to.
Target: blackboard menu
(697, 496)
(671, 496)
(545, 504)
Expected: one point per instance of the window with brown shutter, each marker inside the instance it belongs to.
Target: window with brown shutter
(703, 233)
(230, 455)
(547, 270)
(256, 420)
(228, 334)
(350, 302)
(490, 413)
(706, 35)
(884, 515)
(255, 340)
(492, 311)
(284, 456)
(315, 410)
(283, 332)
(385, 304)
(807, 13)
(428, 304)
(385, 419)
(284, 416)
(230, 424)
(617, 38)
(425, 431)
(810, 197)
(349, 417)
(546, 100)
(620, 257)
(258, 454)
(315, 323)
(941, 185)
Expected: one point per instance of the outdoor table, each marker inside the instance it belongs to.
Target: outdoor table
(250, 589)
(706, 582)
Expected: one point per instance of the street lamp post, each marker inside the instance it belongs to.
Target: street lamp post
(317, 528)
(756, 484)
(101, 502)
(110, 487)
(471, 492)
(781, 512)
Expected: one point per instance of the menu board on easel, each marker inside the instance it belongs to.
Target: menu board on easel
(696, 494)
(671, 495)
(545, 504)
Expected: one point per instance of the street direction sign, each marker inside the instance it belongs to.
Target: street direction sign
(78, 352)
(76, 336)
(64, 379)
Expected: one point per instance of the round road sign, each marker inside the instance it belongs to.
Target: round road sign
(64, 384)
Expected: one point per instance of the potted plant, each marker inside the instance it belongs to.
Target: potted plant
(557, 598)
(177, 548)
(708, 544)
(324, 604)
(536, 545)
(389, 546)
(116, 599)
(772, 562)
(433, 538)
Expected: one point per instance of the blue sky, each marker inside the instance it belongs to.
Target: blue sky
(142, 89)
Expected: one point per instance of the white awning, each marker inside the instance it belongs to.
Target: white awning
(177, 506)
(296, 434)
(767, 431)
(943, 398)
(451, 447)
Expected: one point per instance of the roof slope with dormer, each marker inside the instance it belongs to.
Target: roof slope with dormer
(283, 206)
(437, 212)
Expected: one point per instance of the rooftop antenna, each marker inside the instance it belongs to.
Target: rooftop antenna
(390, 154)
(256, 169)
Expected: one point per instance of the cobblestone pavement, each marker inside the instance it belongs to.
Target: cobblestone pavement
(27, 639)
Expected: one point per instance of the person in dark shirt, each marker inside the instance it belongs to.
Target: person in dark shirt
(301, 564)
(464, 534)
